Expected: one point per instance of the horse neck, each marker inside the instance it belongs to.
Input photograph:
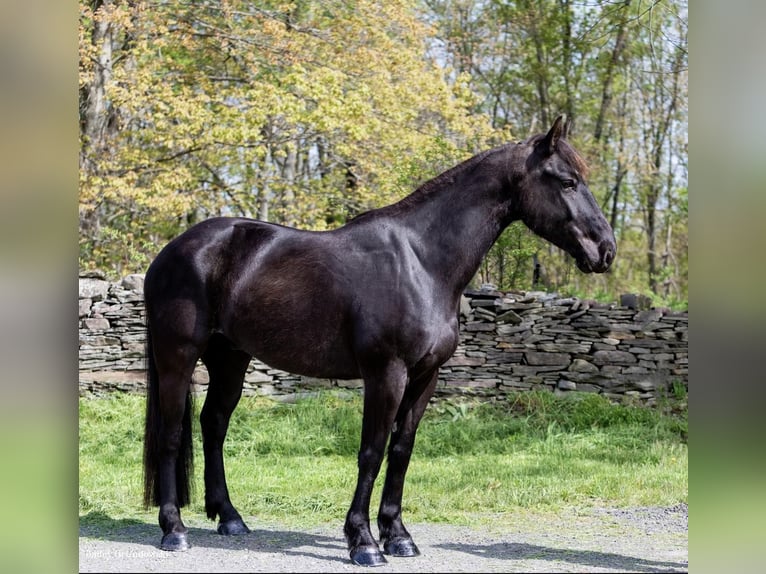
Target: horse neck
(457, 218)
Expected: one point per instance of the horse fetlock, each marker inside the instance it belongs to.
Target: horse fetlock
(359, 536)
(170, 519)
(234, 527)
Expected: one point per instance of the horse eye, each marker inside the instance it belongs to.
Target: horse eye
(569, 184)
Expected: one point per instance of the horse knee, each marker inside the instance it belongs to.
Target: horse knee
(400, 450)
(370, 458)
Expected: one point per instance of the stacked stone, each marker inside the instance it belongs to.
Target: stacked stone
(112, 334)
(508, 342)
(542, 341)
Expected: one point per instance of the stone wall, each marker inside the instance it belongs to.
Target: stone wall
(508, 342)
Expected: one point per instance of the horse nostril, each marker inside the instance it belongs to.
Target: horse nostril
(608, 256)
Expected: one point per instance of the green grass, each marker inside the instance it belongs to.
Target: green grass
(296, 463)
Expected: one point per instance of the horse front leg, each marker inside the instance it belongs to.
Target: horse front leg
(394, 537)
(383, 391)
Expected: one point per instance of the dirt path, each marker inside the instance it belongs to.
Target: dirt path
(601, 540)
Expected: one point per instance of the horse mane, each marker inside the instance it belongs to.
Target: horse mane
(429, 187)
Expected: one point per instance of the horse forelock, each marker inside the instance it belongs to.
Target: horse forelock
(568, 153)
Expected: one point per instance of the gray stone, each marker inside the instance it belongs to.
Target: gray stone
(465, 306)
(604, 347)
(477, 326)
(509, 317)
(648, 343)
(84, 307)
(638, 350)
(557, 347)
(634, 370)
(134, 282)
(96, 324)
(257, 377)
(648, 316)
(351, 383)
(482, 303)
(315, 382)
(503, 357)
(512, 329)
(566, 385)
(484, 314)
(588, 388)
(613, 357)
(582, 366)
(644, 385)
(462, 361)
(95, 289)
(536, 358)
(611, 370)
(525, 370)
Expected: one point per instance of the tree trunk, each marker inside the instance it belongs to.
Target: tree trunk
(606, 93)
(95, 112)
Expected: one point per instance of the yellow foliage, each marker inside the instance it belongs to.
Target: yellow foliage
(304, 111)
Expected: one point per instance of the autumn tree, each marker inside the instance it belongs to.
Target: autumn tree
(307, 112)
(297, 112)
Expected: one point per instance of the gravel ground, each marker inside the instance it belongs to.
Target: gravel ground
(589, 540)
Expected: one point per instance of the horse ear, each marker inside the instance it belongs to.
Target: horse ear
(558, 131)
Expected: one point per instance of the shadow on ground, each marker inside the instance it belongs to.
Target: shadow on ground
(332, 549)
(516, 551)
(101, 526)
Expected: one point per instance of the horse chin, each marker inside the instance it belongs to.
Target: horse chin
(588, 257)
(584, 266)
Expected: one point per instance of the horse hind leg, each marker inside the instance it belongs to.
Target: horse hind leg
(226, 368)
(168, 440)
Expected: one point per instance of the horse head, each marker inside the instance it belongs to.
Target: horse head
(555, 203)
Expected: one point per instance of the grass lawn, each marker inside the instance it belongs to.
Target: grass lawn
(296, 463)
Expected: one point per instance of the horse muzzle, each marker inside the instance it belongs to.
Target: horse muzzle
(597, 259)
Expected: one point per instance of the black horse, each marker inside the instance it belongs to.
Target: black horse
(376, 299)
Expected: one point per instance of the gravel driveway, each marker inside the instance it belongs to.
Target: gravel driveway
(589, 540)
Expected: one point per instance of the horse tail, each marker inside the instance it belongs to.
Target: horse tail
(152, 446)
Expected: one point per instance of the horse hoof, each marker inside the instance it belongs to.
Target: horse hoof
(233, 528)
(400, 547)
(367, 556)
(175, 542)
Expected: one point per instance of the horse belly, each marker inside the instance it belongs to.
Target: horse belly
(312, 353)
(298, 334)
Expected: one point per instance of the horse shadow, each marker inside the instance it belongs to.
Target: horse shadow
(101, 526)
(590, 558)
(332, 549)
